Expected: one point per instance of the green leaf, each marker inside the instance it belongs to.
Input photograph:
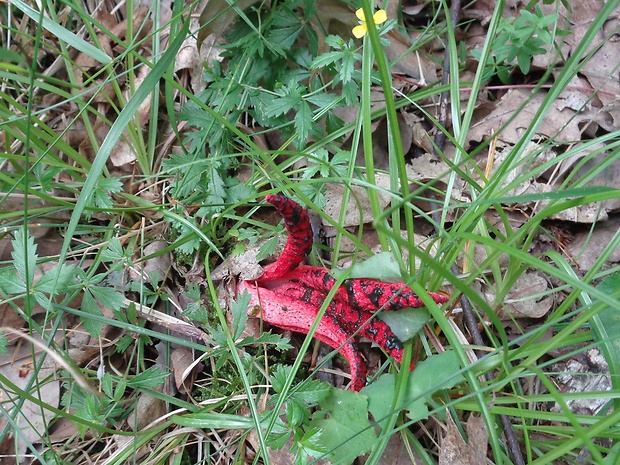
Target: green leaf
(267, 248)
(11, 283)
(107, 385)
(92, 325)
(24, 255)
(239, 309)
(381, 266)
(108, 297)
(114, 252)
(347, 68)
(103, 189)
(279, 376)
(57, 281)
(280, 105)
(195, 309)
(345, 428)
(323, 99)
(327, 59)
(280, 343)
(285, 37)
(524, 62)
(213, 421)
(309, 444)
(303, 124)
(407, 322)
(297, 412)
(149, 378)
(435, 373)
(310, 391)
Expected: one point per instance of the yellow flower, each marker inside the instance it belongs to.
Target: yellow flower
(359, 31)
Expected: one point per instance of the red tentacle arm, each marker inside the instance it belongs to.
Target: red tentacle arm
(363, 293)
(294, 315)
(299, 242)
(354, 321)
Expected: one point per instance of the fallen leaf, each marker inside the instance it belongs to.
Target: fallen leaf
(455, 451)
(561, 125)
(586, 247)
(521, 301)
(17, 367)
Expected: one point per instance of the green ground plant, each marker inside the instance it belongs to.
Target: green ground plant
(284, 76)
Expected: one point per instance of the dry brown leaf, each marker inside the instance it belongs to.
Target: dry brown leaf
(148, 409)
(184, 368)
(519, 302)
(357, 210)
(586, 247)
(455, 451)
(396, 453)
(159, 265)
(245, 265)
(561, 125)
(413, 64)
(17, 366)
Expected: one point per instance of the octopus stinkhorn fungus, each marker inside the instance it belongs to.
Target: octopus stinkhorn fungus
(289, 295)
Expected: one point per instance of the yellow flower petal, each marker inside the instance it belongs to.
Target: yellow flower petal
(379, 17)
(360, 14)
(360, 31)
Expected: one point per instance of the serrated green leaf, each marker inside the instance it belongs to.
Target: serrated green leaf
(280, 105)
(347, 68)
(278, 440)
(11, 283)
(279, 376)
(335, 42)
(108, 297)
(101, 196)
(267, 248)
(107, 384)
(350, 92)
(345, 428)
(57, 281)
(239, 309)
(327, 59)
(280, 343)
(312, 443)
(435, 373)
(296, 412)
(149, 378)
(324, 99)
(92, 325)
(114, 251)
(24, 255)
(285, 37)
(304, 123)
